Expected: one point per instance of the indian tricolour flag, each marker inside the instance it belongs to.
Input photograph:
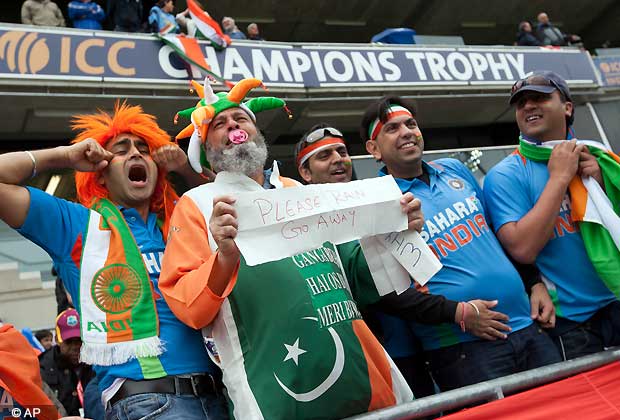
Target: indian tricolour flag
(208, 28)
(596, 210)
(189, 50)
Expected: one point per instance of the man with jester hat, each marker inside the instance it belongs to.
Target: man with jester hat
(555, 202)
(279, 361)
(108, 251)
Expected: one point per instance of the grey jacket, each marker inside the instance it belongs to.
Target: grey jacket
(42, 13)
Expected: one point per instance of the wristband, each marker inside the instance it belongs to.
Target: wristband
(462, 323)
(34, 164)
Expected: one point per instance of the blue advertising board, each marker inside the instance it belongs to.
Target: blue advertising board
(33, 53)
(609, 68)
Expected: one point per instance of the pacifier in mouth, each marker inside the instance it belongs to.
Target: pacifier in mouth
(237, 136)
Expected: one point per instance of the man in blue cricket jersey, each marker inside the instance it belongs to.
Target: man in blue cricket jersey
(321, 156)
(474, 264)
(530, 209)
(108, 251)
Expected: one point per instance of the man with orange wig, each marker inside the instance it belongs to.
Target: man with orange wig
(108, 251)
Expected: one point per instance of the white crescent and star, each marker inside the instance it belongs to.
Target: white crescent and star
(294, 351)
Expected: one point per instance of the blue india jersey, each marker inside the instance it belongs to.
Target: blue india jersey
(474, 263)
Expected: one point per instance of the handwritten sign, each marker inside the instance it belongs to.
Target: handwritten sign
(274, 224)
(395, 256)
(389, 276)
(410, 250)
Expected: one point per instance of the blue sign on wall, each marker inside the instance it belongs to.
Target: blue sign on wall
(27, 52)
(609, 67)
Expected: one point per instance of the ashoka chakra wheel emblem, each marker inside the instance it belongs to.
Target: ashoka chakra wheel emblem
(116, 288)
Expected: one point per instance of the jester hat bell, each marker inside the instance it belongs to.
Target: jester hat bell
(210, 105)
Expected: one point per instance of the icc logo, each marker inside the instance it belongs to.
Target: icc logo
(22, 50)
(26, 53)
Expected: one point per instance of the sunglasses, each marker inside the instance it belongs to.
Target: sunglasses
(321, 133)
(533, 81)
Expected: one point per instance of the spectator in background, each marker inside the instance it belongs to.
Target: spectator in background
(86, 14)
(161, 19)
(46, 338)
(549, 34)
(186, 24)
(42, 13)
(60, 366)
(525, 36)
(126, 15)
(253, 32)
(230, 28)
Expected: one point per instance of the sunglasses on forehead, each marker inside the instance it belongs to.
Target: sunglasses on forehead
(321, 133)
(533, 81)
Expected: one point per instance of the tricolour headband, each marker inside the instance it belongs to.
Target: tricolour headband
(314, 148)
(393, 112)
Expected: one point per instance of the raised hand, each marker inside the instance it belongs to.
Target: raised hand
(564, 161)
(223, 226)
(413, 208)
(170, 158)
(588, 166)
(87, 156)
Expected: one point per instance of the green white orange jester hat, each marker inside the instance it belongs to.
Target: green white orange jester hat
(210, 105)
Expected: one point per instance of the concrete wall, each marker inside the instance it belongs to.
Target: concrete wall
(608, 113)
(25, 301)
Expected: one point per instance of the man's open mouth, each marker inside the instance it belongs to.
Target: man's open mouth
(137, 174)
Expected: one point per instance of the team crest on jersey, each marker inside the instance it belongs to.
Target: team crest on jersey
(456, 184)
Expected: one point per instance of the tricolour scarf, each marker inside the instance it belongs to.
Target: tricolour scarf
(118, 315)
(595, 210)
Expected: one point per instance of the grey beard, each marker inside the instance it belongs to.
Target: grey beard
(249, 158)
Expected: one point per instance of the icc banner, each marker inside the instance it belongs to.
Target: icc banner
(609, 67)
(37, 53)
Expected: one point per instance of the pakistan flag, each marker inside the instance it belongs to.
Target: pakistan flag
(292, 343)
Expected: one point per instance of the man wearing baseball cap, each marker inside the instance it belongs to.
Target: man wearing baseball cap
(536, 199)
(60, 366)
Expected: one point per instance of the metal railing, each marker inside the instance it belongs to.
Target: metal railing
(493, 389)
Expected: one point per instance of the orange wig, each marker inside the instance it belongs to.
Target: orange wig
(102, 127)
